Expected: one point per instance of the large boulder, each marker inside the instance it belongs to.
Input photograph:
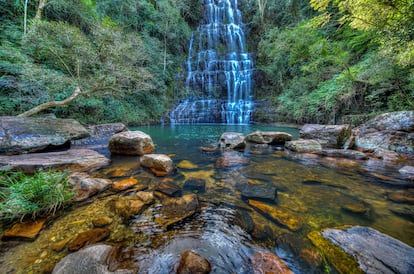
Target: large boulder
(91, 259)
(329, 136)
(373, 249)
(72, 159)
(159, 164)
(391, 131)
(232, 140)
(131, 143)
(20, 135)
(269, 137)
(304, 146)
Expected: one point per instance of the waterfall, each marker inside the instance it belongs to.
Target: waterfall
(218, 69)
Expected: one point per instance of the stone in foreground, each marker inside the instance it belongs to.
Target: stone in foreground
(20, 135)
(159, 164)
(269, 137)
(131, 143)
(376, 252)
(266, 262)
(91, 259)
(193, 263)
(72, 159)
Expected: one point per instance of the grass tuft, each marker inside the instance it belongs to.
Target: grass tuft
(22, 195)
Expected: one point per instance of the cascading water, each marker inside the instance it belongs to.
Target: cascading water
(218, 69)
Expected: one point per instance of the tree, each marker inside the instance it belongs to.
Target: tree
(393, 20)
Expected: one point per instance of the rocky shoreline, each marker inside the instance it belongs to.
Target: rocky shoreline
(388, 138)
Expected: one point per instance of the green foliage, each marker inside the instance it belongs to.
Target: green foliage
(22, 195)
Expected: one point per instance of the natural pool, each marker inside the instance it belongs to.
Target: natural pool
(313, 193)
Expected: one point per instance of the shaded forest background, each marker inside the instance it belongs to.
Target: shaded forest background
(317, 61)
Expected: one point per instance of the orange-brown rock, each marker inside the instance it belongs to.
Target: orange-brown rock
(192, 263)
(124, 184)
(405, 197)
(281, 216)
(89, 237)
(266, 262)
(27, 230)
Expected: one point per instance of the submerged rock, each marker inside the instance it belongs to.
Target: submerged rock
(20, 135)
(404, 197)
(169, 188)
(174, 210)
(266, 262)
(128, 206)
(279, 215)
(373, 249)
(160, 164)
(26, 230)
(195, 184)
(72, 159)
(406, 212)
(131, 143)
(232, 140)
(86, 186)
(231, 159)
(192, 263)
(269, 137)
(88, 237)
(88, 260)
(304, 146)
(257, 192)
(329, 136)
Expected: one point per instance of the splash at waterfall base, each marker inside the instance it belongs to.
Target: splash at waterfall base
(212, 111)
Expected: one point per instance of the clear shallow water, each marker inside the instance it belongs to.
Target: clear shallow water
(318, 191)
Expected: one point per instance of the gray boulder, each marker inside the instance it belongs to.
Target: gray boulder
(90, 260)
(159, 164)
(304, 146)
(72, 159)
(20, 135)
(329, 136)
(269, 137)
(232, 140)
(391, 131)
(131, 143)
(375, 251)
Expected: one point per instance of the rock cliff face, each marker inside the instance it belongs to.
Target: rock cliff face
(20, 135)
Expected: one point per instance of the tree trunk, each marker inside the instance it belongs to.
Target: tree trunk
(40, 8)
(51, 104)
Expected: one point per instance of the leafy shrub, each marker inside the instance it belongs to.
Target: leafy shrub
(44, 192)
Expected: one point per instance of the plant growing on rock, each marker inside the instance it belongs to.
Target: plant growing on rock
(44, 192)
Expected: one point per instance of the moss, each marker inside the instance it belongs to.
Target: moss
(338, 258)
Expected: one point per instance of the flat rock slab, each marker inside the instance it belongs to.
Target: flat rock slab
(26, 135)
(72, 159)
(27, 230)
(375, 251)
